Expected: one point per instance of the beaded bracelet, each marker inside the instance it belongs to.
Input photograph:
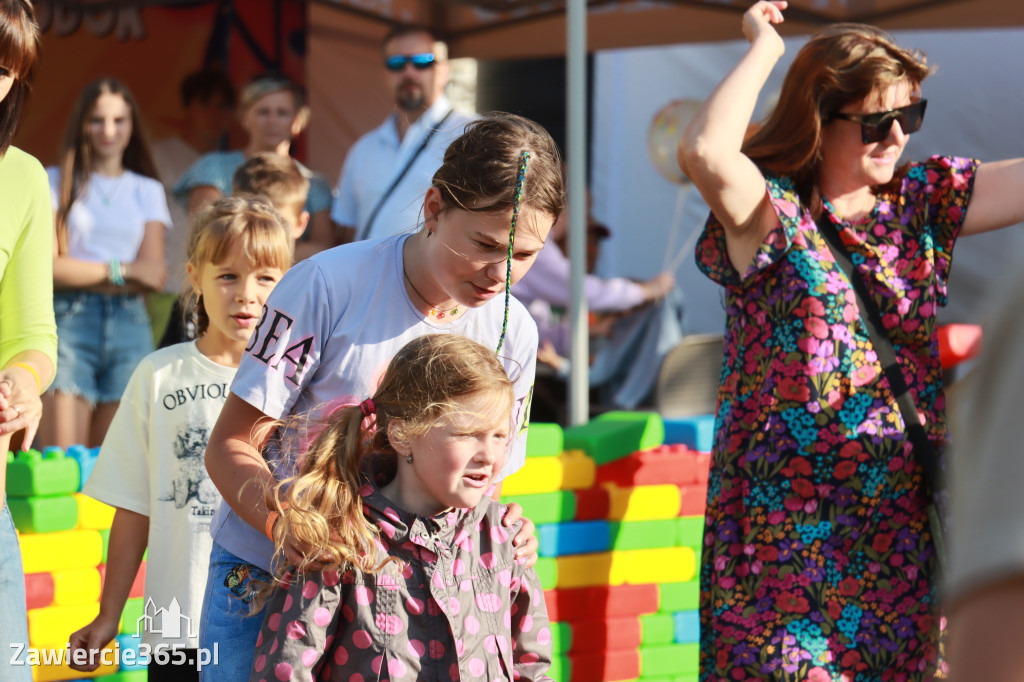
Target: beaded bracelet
(116, 273)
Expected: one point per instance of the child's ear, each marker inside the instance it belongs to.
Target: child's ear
(433, 204)
(401, 445)
(193, 277)
(300, 225)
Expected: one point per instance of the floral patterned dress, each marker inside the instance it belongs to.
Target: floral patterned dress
(818, 562)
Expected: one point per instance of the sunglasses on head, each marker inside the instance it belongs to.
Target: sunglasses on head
(876, 127)
(419, 61)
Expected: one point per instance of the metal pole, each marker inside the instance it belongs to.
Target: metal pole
(576, 153)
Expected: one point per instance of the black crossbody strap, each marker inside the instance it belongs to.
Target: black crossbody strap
(365, 232)
(926, 454)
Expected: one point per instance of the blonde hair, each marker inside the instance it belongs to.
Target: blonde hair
(254, 223)
(275, 177)
(268, 85)
(422, 386)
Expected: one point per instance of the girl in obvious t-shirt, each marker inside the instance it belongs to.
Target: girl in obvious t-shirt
(111, 214)
(338, 318)
(151, 464)
(423, 582)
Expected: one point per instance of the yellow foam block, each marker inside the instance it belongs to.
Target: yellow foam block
(45, 552)
(75, 586)
(578, 470)
(52, 673)
(93, 513)
(661, 565)
(538, 475)
(51, 626)
(586, 570)
(643, 502)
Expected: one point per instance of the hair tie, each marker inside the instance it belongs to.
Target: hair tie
(368, 407)
(511, 242)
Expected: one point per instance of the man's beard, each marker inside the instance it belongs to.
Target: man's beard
(410, 98)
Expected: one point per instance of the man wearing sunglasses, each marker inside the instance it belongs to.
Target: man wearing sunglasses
(388, 170)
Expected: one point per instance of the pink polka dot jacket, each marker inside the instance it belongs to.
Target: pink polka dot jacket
(458, 606)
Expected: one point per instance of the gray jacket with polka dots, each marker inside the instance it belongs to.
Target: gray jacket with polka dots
(456, 607)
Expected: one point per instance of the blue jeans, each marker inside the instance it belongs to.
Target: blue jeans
(100, 340)
(225, 619)
(13, 620)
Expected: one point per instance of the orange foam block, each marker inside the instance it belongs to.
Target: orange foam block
(693, 499)
(45, 552)
(607, 666)
(634, 567)
(138, 585)
(599, 603)
(606, 634)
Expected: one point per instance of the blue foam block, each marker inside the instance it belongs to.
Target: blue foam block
(687, 626)
(130, 643)
(696, 433)
(86, 460)
(577, 537)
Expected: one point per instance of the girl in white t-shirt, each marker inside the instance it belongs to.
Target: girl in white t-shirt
(110, 217)
(151, 464)
(338, 318)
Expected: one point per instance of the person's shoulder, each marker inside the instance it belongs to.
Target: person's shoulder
(23, 161)
(348, 259)
(144, 181)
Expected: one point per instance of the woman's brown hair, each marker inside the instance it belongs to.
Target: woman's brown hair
(422, 386)
(76, 150)
(840, 65)
(481, 167)
(19, 47)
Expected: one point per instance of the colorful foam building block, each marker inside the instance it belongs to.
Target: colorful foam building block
(39, 589)
(86, 458)
(546, 440)
(697, 433)
(53, 673)
(672, 659)
(569, 470)
(129, 645)
(134, 609)
(606, 666)
(76, 586)
(675, 464)
(41, 552)
(693, 499)
(542, 508)
(561, 638)
(127, 676)
(644, 502)
(673, 597)
(687, 627)
(606, 601)
(92, 513)
(547, 572)
(660, 565)
(588, 570)
(593, 504)
(34, 473)
(579, 537)
(51, 626)
(43, 514)
(138, 587)
(657, 629)
(689, 531)
(616, 434)
(644, 534)
(606, 634)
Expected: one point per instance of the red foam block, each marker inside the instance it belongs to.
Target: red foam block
(674, 464)
(606, 635)
(693, 499)
(38, 590)
(607, 666)
(592, 504)
(600, 603)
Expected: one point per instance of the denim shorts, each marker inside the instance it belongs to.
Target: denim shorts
(225, 620)
(100, 340)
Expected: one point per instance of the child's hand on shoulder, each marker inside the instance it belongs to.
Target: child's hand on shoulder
(525, 540)
(92, 638)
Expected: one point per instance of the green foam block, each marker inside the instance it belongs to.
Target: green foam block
(690, 531)
(43, 514)
(561, 641)
(35, 473)
(643, 534)
(133, 610)
(673, 659)
(105, 538)
(542, 508)
(674, 597)
(657, 629)
(126, 676)
(544, 440)
(547, 572)
(614, 435)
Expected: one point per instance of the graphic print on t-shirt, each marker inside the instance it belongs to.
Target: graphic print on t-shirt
(190, 480)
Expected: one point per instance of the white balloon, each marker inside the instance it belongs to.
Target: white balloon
(664, 134)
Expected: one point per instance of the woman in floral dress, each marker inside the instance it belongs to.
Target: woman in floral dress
(818, 559)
